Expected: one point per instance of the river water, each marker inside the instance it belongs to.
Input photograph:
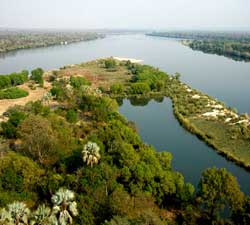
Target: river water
(217, 76)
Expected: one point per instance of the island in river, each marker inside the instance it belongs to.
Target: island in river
(74, 137)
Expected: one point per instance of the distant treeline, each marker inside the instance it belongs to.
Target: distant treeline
(14, 40)
(235, 45)
(232, 49)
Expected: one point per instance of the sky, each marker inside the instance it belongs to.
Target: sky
(125, 14)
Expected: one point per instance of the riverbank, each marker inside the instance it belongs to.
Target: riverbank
(12, 41)
(216, 124)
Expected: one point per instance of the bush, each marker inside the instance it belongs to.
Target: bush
(37, 76)
(71, 116)
(110, 63)
(13, 79)
(139, 88)
(77, 82)
(10, 127)
(117, 89)
(13, 93)
(5, 81)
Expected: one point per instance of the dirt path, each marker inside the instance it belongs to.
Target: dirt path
(34, 95)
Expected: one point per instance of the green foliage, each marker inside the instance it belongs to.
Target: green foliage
(242, 214)
(109, 63)
(13, 93)
(219, 188)
(16, 175)
(40, 139)
(37, 76)
(146, 74)
(13, 79)
(117, 89)
(77, 82)
(139, 88)
(71, 116)
(9, 128)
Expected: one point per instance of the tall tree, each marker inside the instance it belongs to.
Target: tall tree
(218, 188)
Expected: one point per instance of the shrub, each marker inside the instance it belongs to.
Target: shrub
(117, 89)
(5, 81)
(12, 93)
(13, 79)
(71, 116)
(77, 82)
(110, 63)
(139, 88)
(10, 127)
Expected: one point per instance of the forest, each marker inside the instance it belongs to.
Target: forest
(234, 45)
(21, 39)
(72, 158)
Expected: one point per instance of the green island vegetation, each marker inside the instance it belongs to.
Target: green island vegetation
(81, 162)
(22, 39)
(234, 45)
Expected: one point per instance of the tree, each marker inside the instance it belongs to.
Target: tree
(242, 214)
(17, 213)
(139, 88)
(91, 153)
(38, 139)
(37, 76)
(41, 216)
(64, 206)
(218, 188)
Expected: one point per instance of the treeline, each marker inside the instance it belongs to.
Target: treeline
(235, 45)
(231, 49)
(30, 39)
(206, 35)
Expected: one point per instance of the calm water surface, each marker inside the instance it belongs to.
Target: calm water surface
(218, 76)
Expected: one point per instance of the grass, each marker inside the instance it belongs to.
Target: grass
(13, 93)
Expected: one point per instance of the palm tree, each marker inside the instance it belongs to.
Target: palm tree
(91, 153)
(41, 216)
(64, 207)
(17, 214)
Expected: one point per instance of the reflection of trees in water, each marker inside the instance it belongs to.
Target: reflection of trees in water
(159, 99)
(4, 55)
(119, 101)
(139, 101)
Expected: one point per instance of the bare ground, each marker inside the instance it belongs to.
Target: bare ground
(34, 95)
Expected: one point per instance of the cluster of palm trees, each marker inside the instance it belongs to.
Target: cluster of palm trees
(64, 207)
(62, 213)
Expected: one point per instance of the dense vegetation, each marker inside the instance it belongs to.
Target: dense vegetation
(229, 44)
(232, 49)
(83, 163)
(14, 40)
(13, 79)
(12, 93)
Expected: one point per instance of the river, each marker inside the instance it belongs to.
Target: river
(217, 76)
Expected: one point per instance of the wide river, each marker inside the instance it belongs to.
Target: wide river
(217, 76)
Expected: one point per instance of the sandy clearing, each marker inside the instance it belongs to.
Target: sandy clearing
(34, 95)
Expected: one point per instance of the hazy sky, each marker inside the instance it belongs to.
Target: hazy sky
(152, 14)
